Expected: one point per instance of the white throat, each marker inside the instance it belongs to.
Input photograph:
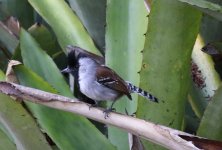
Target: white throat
(87, 68)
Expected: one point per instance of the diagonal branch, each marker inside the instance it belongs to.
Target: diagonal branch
(167, 137)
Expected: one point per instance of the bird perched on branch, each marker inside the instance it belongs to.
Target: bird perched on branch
(97, 81)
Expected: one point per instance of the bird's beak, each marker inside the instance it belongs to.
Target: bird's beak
(66, 70)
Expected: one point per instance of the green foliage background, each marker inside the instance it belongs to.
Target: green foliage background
(151, 48)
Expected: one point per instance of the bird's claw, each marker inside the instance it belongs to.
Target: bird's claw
(107, 111)
(93, 105)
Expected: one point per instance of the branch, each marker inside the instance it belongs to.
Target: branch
(167, 137)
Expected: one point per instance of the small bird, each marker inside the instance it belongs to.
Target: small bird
(97, 81)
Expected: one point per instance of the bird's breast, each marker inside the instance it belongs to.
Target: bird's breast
(89, 85)
(96, 91)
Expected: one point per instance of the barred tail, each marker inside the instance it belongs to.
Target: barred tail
(134, 89)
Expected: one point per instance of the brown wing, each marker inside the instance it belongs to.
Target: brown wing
(110, 79)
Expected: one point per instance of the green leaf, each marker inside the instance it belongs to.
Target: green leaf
(20, 9)
(65, 23)
(48, 42)
(207, 7)
(210, 29)
(68, 131)
(2, 76)
(211, 120)
(3, 61)
(191, 120)
(5, 142)
(37, 59)
(2, 128)
(197, 100)
(166, 62)
(45, 38)
(21, 126)
(24, 73)
(7, 40)
(203, 68)
(92, 14)
(124, 43)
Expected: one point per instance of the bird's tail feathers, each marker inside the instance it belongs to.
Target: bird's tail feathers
(134, 89)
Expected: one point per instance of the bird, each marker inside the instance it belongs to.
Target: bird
(97, 81)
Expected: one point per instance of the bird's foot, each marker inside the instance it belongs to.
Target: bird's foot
(107, 111)
(93, 105)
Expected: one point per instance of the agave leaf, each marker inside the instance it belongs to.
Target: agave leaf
(211, 28)
(197, 101)
(124, 43)
(48, 42)
(206, 6)
(206, 79)
(166, 62)
(19, 9)
(37, 59)
(2, 76)
(45, 38)
(191, 121)
(211, 120)
(92, 14)
(65, 24)
(7, 39)
(21, 126)
(5, 142)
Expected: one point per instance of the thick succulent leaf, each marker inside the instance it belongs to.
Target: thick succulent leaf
(20, 9)
(211, 34)
(3, 60)
(5, 142)
(92, 13)
(205, 79)
(45, 38)
(197, 100)
(211, 120)
(191, 121)
(68, 131)
(124, 43)
(23, 72)
(65, 23)
(166, 62)
(48, 42)
(2, 127)
(206, 6)
(7, 40)
(211, 28)
(20, 125)
(37, 59)
(2, 76)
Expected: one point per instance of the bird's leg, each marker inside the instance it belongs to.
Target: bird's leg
(94, 105)
(108, 110)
